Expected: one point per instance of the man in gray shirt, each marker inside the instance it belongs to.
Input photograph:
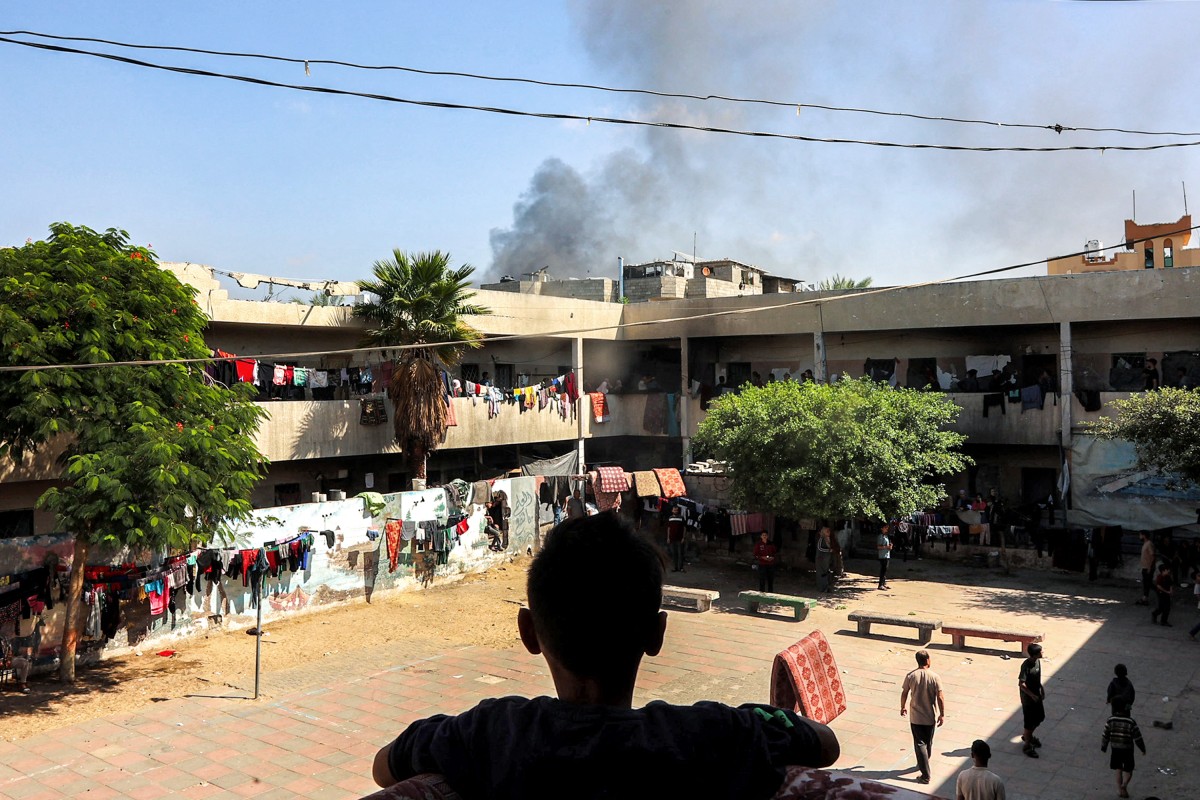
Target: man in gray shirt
(923, 688)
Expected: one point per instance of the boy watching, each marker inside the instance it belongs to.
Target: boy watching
(590, 741)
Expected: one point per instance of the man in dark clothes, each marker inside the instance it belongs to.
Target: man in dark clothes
(1163, 587)
(590, 741)
(1033, 697)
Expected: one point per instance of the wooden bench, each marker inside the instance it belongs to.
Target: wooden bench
(959, 633)
(865, 619)
(699, 599)
(801, 605)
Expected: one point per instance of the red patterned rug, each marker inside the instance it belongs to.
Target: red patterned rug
(805, 679)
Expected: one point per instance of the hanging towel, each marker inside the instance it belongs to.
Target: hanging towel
(451, 419)
(481, 493)
(671, 482)
(672, 415)
(1089, 399)
(994, 399)
(599, 407)
(805, 679)
(1032, 397)
(645, 484)
(654, 418)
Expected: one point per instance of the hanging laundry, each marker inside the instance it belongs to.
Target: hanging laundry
(599, 407)
(654, 417)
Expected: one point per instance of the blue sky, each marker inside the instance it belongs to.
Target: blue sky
(271, 181)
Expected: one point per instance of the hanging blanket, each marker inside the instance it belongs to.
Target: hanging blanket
(451, 419)
(654, 418)
(671, 482)
(599, 406)
(611, 479)
(645, 484)
(805, 679)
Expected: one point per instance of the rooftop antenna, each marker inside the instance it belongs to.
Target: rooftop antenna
(693, 247)
(1184, 184)
(1135, 205)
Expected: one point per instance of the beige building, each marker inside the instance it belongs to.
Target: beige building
(1094, 333)
(1159, 245)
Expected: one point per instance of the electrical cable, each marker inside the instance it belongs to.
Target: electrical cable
(590, 119)
(593, 329)
(1057, 128)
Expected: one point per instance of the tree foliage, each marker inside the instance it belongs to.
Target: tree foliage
(853, 448)
(844, 282)
(1164, 427)
(421, 304)
(156, 456)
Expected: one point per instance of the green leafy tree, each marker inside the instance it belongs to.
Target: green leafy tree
(843, 282)
(852, 448)
(1164, 427)
(157, 456)
(421, 304)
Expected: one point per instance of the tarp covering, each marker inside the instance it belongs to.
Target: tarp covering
(567, 464)
(1107, 488)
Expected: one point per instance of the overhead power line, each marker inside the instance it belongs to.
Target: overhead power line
(590, 119)
(595, 328)
(789, 104)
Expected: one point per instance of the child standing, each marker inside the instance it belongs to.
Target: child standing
(1122, 733)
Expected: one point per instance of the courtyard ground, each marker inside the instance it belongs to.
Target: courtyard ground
(339, 683)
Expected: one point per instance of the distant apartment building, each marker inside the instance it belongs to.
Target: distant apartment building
(1159, 245)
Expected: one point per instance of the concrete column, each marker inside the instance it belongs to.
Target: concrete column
(684, 406)
(819, 370)
(581, 408)
(1066, 385)
(1066, 381)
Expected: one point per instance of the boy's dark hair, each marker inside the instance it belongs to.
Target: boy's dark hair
(922, 657)
(1120, 708)
(1120, 671)
(594, 593)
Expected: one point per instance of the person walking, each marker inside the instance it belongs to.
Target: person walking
(824, 558)
(1033, 699)
(1163, 587)
(883, 550)
(1120, 689)
(574, 506)
(1147, 565)
(765, 554)
(676, 530)
(1122, 732)
(924, 688)
(977, 782)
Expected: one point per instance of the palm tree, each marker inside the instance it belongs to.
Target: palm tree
(843, 282)
(421, 304)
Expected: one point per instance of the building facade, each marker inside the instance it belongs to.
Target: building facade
(1093, 333)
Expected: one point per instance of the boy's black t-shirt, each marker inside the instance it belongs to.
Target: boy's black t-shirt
(517, 747)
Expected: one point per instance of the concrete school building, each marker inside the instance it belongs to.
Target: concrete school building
(1094, 333)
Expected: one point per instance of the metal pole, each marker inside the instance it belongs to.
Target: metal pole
(258, 644)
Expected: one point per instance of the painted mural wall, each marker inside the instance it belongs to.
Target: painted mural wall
(359, 547)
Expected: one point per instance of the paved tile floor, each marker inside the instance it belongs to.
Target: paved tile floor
(315, 737)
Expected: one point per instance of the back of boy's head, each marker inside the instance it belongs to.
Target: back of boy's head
(1120, 708)
(1120, 670)
(594, 593)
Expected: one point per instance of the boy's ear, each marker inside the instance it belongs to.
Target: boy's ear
(654, 645)
(528, 633)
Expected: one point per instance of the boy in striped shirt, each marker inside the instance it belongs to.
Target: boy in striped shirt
(1122, 733)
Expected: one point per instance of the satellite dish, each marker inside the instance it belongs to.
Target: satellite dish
(707, 271)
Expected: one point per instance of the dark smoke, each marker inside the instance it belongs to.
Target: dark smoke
(811, 210)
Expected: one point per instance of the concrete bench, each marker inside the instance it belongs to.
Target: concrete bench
(959, 633)
(801, 605)
(699, 599)
(866, 619)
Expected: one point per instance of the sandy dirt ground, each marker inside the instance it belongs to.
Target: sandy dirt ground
(298, 651)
